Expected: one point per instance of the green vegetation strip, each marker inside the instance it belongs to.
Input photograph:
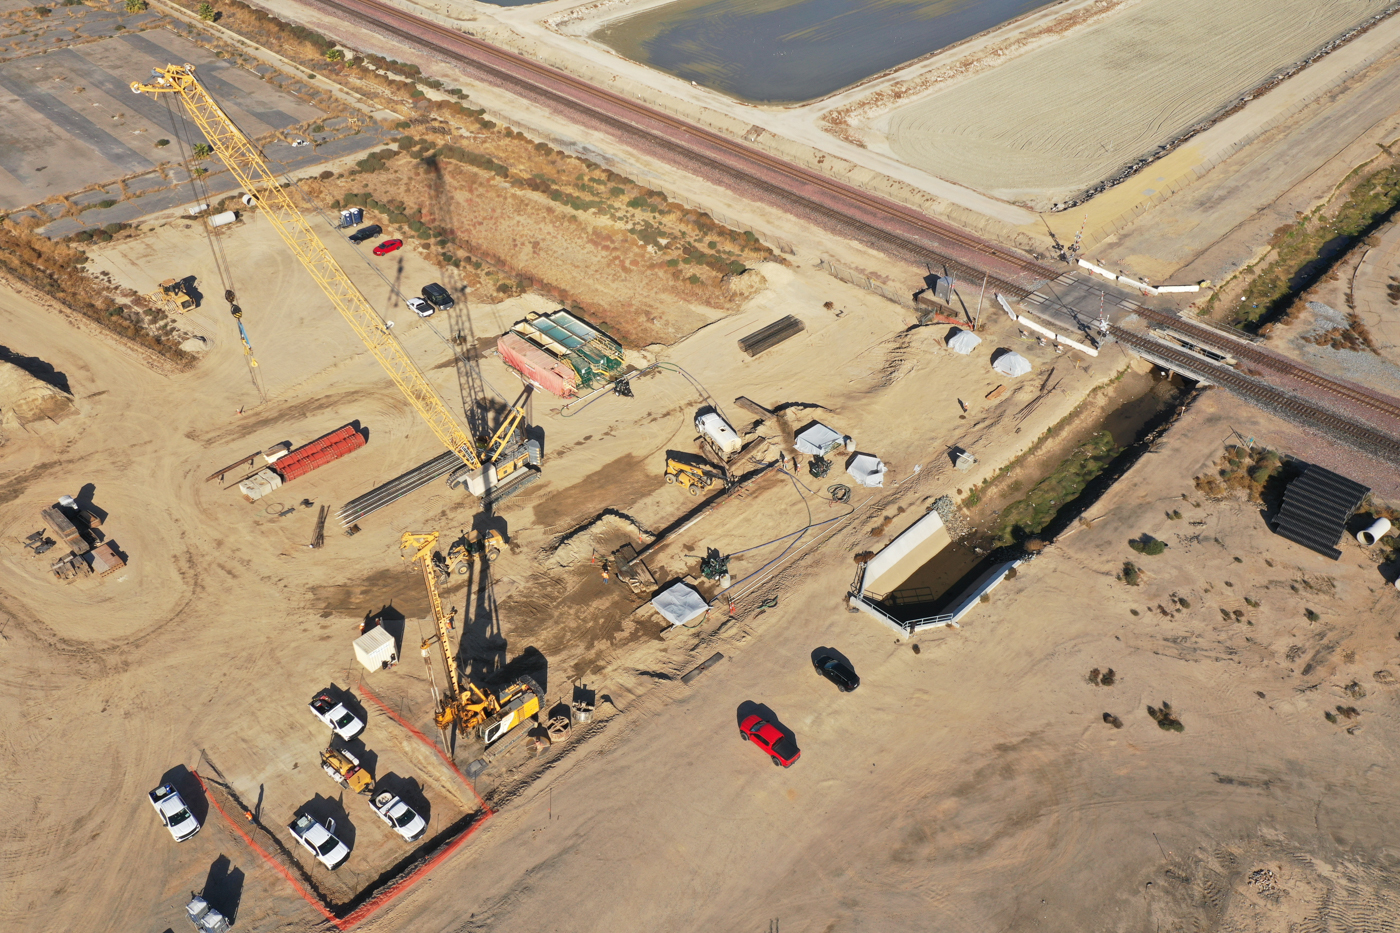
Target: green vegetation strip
(1032, 514)
(1303, 252)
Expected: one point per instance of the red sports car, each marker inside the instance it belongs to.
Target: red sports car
(387, 247)
(779, 746)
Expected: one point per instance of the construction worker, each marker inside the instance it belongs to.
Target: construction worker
(606, 578)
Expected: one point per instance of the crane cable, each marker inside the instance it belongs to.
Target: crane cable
(216, 248)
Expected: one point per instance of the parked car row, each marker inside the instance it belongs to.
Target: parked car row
(435, 297)
(777, 743)
(342, 765)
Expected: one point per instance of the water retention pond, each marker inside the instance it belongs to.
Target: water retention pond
(786, 51)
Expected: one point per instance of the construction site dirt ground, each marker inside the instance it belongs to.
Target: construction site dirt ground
(916, 797)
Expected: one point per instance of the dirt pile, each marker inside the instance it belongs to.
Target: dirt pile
(25, 399)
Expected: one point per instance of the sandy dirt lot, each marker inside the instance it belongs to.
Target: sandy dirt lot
(1073, 112)
(986, 756)
(981, 757)
(223, 624)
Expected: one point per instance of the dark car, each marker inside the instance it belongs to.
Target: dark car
(777, 743)
(836, 671)
(366, 233)
(437, 296)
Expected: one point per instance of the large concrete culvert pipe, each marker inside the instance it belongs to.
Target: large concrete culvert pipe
(1379, 529)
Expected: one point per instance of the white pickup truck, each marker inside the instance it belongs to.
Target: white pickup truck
(400, 816)
(334, 713)
(329, 850)
(173, 813)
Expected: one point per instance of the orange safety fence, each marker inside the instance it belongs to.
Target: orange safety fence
(391, 893)
(278, 866)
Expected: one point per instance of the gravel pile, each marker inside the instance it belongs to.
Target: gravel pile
(953, 518)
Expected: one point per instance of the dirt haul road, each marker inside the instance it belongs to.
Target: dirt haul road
(985, 757)
(980, 759)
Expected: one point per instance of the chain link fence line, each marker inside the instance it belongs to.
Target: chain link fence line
(860, 280)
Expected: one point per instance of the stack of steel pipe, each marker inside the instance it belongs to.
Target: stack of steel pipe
(398, 487)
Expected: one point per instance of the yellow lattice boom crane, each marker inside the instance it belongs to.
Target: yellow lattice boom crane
(487, 462)
(464, 703)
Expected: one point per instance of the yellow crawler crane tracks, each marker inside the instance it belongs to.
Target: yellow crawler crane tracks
(247, 164)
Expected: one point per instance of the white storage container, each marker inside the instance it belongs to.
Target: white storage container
(375, 649)
(259, 484)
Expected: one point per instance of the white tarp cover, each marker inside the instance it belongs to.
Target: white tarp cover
(964, 342)
(1012, 364)
(679, 604)
(819, 440)
(867, 470)
(375, 648)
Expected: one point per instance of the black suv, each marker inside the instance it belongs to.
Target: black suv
(437, 296)
(366, 233)
(836, 671)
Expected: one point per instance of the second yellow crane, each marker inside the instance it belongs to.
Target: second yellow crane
(463, 704)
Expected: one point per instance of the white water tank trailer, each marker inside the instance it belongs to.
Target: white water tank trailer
(719, 431)
(1379, 529)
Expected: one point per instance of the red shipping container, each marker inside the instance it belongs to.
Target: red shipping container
(539, 368)
(319, 452)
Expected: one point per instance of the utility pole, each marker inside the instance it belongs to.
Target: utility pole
(980, 295)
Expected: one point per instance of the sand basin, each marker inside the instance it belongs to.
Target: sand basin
(1071, 113)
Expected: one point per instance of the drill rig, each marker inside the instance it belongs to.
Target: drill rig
(462, 703)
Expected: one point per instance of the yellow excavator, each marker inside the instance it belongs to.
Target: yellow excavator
(488, 464)
(463, 703)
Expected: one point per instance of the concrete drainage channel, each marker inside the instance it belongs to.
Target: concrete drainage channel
(958, 600)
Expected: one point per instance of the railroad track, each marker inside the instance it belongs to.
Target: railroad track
(895, 229)
(1361, 436)
(1272, 362)
(839, 207)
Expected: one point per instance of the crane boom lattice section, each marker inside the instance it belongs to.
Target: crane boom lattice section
(247, 164)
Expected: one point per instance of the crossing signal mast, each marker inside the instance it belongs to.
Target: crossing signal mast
(487, 463)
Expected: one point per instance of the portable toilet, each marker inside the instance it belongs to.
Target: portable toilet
(351, 216)
(376, 650)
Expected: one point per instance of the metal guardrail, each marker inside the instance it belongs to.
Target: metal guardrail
(860, 603)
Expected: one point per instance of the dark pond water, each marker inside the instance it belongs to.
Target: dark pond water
(784, 51)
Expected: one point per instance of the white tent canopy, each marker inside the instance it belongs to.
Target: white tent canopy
(819, 440)
(1012, 364)
(867, 470)
(963, 341)
(680, 603)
